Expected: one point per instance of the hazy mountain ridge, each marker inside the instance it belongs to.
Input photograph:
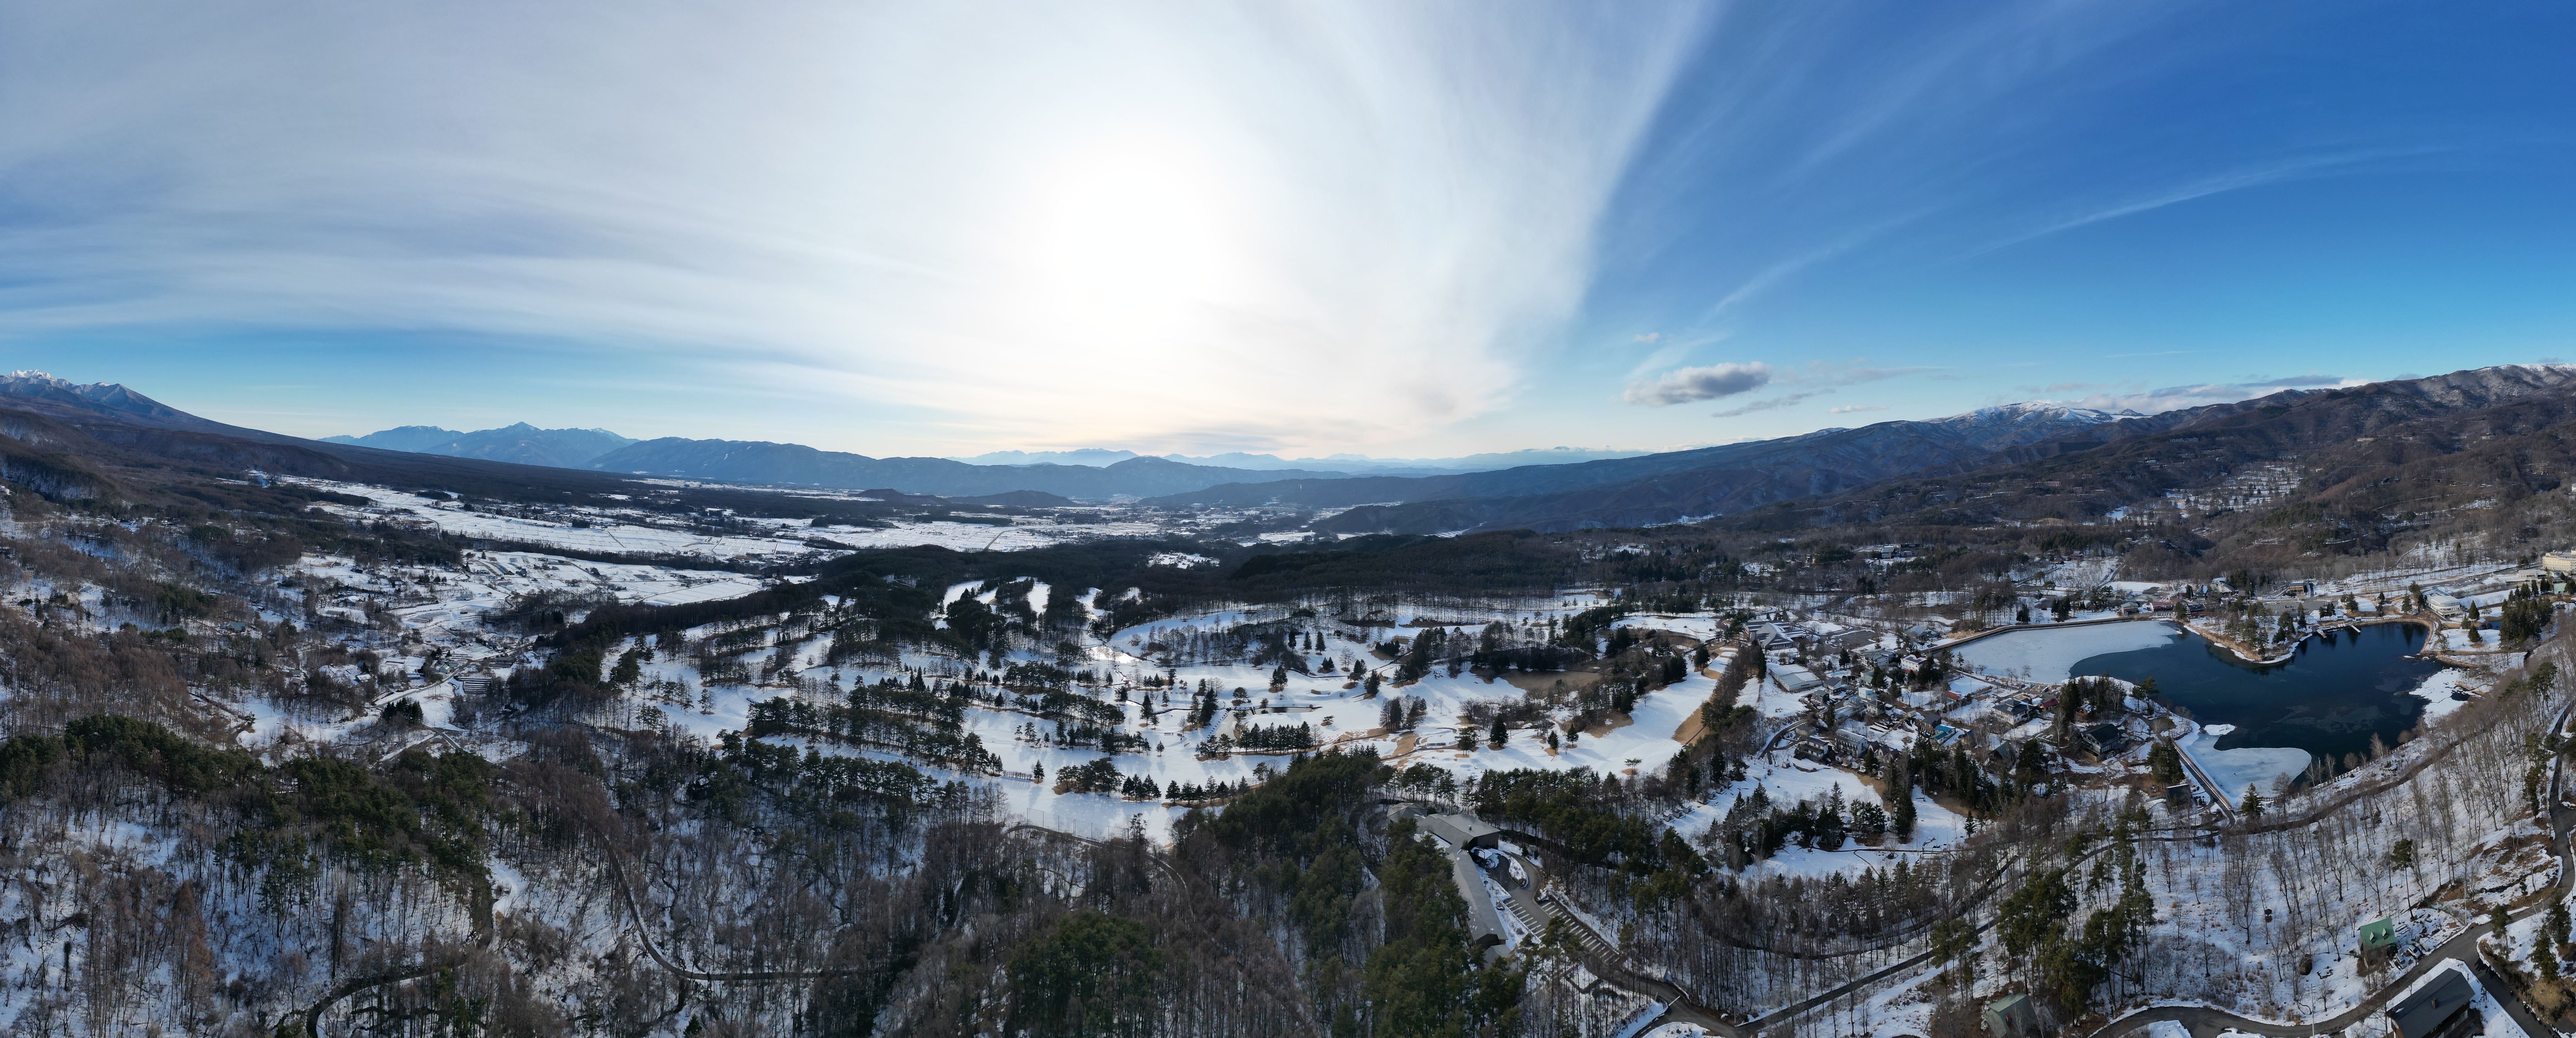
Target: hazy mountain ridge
(105, 440)
(400, 438)
(1672, 486)
(520, 458)
(520, 443)
(1356, 464)
(61, 398)
(743, 461)
(1644, 490)
(2030, 462)
(2370, 446)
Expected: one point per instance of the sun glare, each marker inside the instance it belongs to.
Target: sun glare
(1127, 238)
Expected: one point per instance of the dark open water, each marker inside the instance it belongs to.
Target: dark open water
(2329, 699)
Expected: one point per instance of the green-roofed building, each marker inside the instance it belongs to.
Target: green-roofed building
(2378, 943)
(2012, 1016)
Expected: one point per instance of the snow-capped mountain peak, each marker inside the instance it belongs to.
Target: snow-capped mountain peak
(2044, 409)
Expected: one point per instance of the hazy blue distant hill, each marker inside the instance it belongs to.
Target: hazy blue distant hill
(1092, 456)
(740, 461)
(521, 443)
(1487, 462)
(414, 438)
(1355, 464)
(1672, 486)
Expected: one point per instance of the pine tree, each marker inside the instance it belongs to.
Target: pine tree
(2252, 808)
(1500, 734)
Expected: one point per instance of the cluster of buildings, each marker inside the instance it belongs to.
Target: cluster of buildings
(1829, 671)
(2452, 601)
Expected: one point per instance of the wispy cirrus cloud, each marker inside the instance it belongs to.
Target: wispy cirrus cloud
(1773, 404)
(1850, 372)
(1228, 196)
(2252, 175)
(1855, 408)
(2136, 396)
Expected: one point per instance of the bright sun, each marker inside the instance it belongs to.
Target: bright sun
(1127, 238)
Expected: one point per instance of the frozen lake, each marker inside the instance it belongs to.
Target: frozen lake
(2051, 653)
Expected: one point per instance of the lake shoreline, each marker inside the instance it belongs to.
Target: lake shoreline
(2326, 698)
(2239, 649)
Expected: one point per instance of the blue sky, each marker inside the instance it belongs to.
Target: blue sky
(1395, 229)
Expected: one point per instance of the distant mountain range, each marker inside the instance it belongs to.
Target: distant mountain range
(1679, 485)
(1125, 475)
(522, 443)
(1601, 491)
(739, 461)
(1356, 464)
(2072, 460)
(2373, 461)
(103, 439)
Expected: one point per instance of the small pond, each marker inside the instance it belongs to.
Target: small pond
(2330, 697)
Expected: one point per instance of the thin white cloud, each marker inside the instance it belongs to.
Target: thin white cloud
(2300, 382)
(2136, 397)
(1684, 385)
(915, 215)
(1847, 373)
(1770, 277)
(1773, 404)
(1855, 408)
(2253, 175)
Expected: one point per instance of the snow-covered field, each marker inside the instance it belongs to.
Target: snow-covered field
(979, 537)
(1331, 704)
(640, 532)
(491, 579)
(1791, 781)
(1700, 627)
(614, 533)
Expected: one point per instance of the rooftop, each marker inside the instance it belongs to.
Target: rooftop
(2432, 1005)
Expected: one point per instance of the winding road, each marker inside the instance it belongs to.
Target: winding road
(1605, 961)
(2203, 1022)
